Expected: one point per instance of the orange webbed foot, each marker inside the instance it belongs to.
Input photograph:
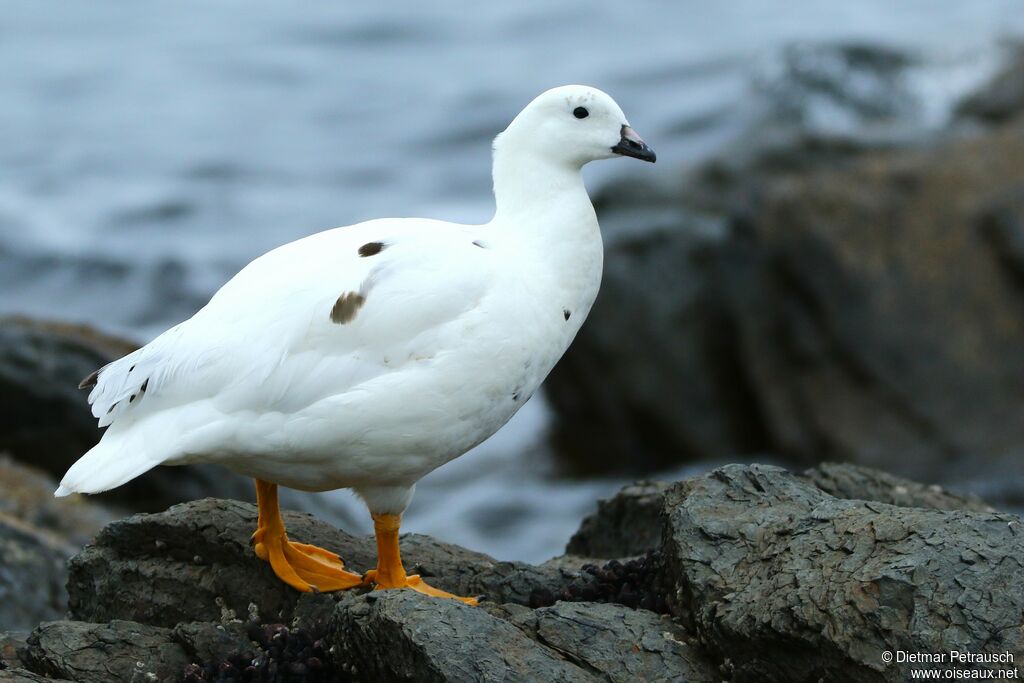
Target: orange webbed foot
(302, 566)
(415, 583)
(390, 573)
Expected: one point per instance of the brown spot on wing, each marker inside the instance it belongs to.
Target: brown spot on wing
(566, 313)
(89, 381)
(346, 307)
(371, 249)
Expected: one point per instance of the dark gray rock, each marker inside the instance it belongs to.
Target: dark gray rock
(193, 562)
(787, 583)
(859, 344)
(620, 645)
(863, 483)
(32, 570)
(19, 675)
(768, 575)
(401, 636)
(627, 524)
(206, 641)
(120, 651)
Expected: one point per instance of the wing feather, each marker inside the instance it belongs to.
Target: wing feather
(267, 341)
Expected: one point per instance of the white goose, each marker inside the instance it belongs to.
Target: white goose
(366, 356)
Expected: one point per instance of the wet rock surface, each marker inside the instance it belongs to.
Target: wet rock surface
(199, 555)
(399, 636)
(101, 653)
(619, 644)
(863, 483)
(789, 583)
(759, 575)
(630, 522)
(19, 675)
(627, 524)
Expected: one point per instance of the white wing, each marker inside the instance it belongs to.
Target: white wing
(282, 334)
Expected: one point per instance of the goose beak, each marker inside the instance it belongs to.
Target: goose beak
(632, 145)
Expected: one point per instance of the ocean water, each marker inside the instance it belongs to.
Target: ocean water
(149, 150)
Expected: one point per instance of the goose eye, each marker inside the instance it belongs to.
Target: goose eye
(580, 112)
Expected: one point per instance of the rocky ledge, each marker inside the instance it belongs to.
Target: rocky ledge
(757, 574)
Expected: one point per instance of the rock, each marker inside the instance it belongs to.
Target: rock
(45, 419)
(860, 345)
(1001, 99)
(753, 559)
(620, 644)
(862, 483)
(193, 562)
(38, 534)
(27, 495)
(32, 570)
(207, 641)
(19, 675)
(10, 642)
(627, 524)
(760, 575)
(633, 582)
(275, 652)
(190, 572)
(401, 636)
(787, 583)
(105, 653)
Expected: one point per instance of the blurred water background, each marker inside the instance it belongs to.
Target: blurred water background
(149, 150)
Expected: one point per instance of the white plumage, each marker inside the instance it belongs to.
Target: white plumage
(367, 356)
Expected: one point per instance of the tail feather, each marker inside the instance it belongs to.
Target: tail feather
(115, 460)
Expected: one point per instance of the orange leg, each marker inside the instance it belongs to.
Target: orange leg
(303, 567)
(389, 572)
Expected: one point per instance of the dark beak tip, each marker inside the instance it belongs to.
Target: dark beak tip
(641, 151)
(632, 145)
